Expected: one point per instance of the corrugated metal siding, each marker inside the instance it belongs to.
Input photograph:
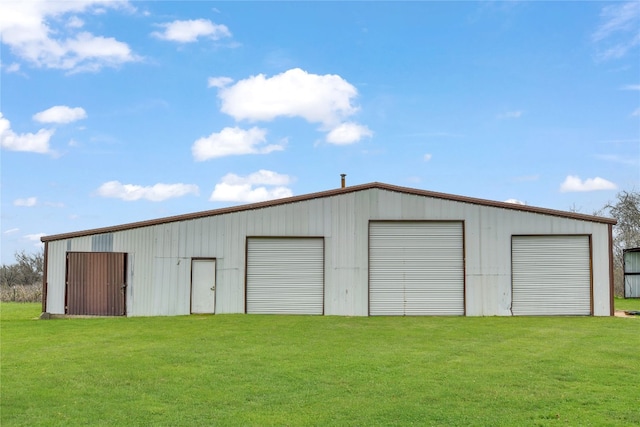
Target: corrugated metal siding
(551, 275)
(95, 283)
(632, 286)
(102, 243)
(632, 274)
(632, 261)
(346, 256)
(285, 276)
(602, 287)
(56, 276)
(81, 244)
(171, 283)
(416, 268)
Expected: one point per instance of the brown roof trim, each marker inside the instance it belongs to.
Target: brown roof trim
(329, 193)
(496, 204)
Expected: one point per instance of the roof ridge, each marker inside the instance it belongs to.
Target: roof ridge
(328, 193)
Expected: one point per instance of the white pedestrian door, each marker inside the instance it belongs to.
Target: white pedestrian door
(203, 286)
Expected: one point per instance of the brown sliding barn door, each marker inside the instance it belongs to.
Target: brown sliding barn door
(96, 283)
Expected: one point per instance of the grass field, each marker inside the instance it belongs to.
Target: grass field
(627, 304)
(303, 370)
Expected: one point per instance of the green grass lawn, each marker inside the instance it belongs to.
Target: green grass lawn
(627, 304)
(252, 370)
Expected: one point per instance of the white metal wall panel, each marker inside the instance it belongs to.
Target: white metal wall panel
(631, 261)
(285, 275)
(551, 275)
(416, 268)
(56, 274)
(346, 255)
(80, 244)
(632, 286)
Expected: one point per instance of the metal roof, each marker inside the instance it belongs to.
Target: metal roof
(329, 193)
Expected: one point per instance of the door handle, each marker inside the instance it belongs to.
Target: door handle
(213, 288)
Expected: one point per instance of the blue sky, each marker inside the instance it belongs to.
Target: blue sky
(116, 111)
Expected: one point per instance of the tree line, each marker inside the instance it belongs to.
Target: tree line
(626, 233)
(27, 269)
(22, 280)
(26, 272)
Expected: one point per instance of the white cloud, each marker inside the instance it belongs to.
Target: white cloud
(252, 188)
(574, 183)
(427, 157)
(189, 31)
(245, 193)
(510, 115)
(515, 201)
(348, 133)
(630, 87)
(620, 50)
(75, 22)
(219, 82)
(33, 31)
(28, 202)
(11, 231)
(620, 17)
(636, 113)
(94, 52)
(31, 142)
(13, 68)
(60, 114)
(618, 32)
(262, 177)
(325, 99)
(155, 193)
(233, 141)
(35, 238)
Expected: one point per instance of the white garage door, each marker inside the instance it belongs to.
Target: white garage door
(416, 268)
(285, 275)
(551, 275)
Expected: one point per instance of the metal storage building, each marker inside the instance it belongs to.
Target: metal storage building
(364, 250)
(631, 269)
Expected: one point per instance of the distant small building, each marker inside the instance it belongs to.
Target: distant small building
(631, 262)
(365, 250)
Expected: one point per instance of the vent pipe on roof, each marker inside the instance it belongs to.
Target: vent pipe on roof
(342, 180)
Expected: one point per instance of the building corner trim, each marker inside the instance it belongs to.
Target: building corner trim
(45, 262)
(611, 275)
